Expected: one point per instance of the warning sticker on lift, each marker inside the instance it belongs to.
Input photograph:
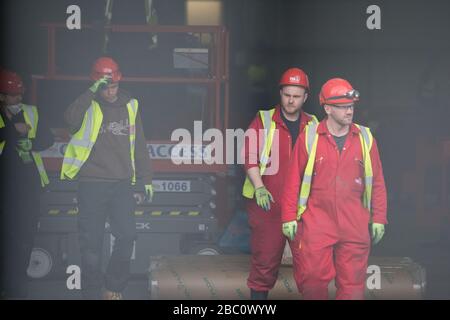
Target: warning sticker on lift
(172, 185)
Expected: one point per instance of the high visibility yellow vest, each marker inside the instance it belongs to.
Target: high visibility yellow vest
(81, 143)
(31, 117)
(312, 137)
(269, 125)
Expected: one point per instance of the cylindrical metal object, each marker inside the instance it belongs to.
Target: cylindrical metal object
(225, 277)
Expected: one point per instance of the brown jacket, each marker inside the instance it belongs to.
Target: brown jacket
(110, 159)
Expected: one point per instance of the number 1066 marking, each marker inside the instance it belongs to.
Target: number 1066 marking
(172, 185)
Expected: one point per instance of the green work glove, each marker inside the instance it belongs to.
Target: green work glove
(290, 229)
(377, 232)
(24, 144)
(25, 155)
(149, 192)
(263, 198)
(99, 84)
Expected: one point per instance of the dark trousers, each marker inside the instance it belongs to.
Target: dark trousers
(19, 211)
(98, 201)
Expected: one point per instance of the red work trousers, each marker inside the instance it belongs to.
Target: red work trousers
(331, 245)
(267, 245)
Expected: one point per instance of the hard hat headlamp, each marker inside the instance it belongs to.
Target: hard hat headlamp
(352, 94)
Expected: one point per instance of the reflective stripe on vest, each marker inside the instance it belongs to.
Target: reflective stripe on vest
(311, 140)
(31, 117)
(269, 126)
(132, 107)
(366, 143)
(82, 142)
(311, 147)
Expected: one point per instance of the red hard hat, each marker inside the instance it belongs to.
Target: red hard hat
(11, 83)
(338, 91)
(294, 77)
(105, 66)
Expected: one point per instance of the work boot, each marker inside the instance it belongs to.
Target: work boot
(258, 295)
(111, 295)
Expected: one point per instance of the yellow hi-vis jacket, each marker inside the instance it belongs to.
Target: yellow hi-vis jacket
(269, 125)
(31, 117)
(81, 143)
(311, 139)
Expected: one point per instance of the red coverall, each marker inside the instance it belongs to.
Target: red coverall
(267, 240)
(332, 239)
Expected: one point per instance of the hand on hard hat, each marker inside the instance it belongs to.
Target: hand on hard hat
(106, 66)
(100, 84)
(290, 229)
(263, 198)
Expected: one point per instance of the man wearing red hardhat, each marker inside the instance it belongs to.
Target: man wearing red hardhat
(23, 134)
(108, 155)
(275, 131)
(335, 189)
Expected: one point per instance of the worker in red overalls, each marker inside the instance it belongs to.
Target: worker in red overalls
(335, 189)
(275, 132)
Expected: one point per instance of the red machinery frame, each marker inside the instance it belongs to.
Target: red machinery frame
(217, 81)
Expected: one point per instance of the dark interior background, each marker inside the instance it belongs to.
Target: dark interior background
(402, 72)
